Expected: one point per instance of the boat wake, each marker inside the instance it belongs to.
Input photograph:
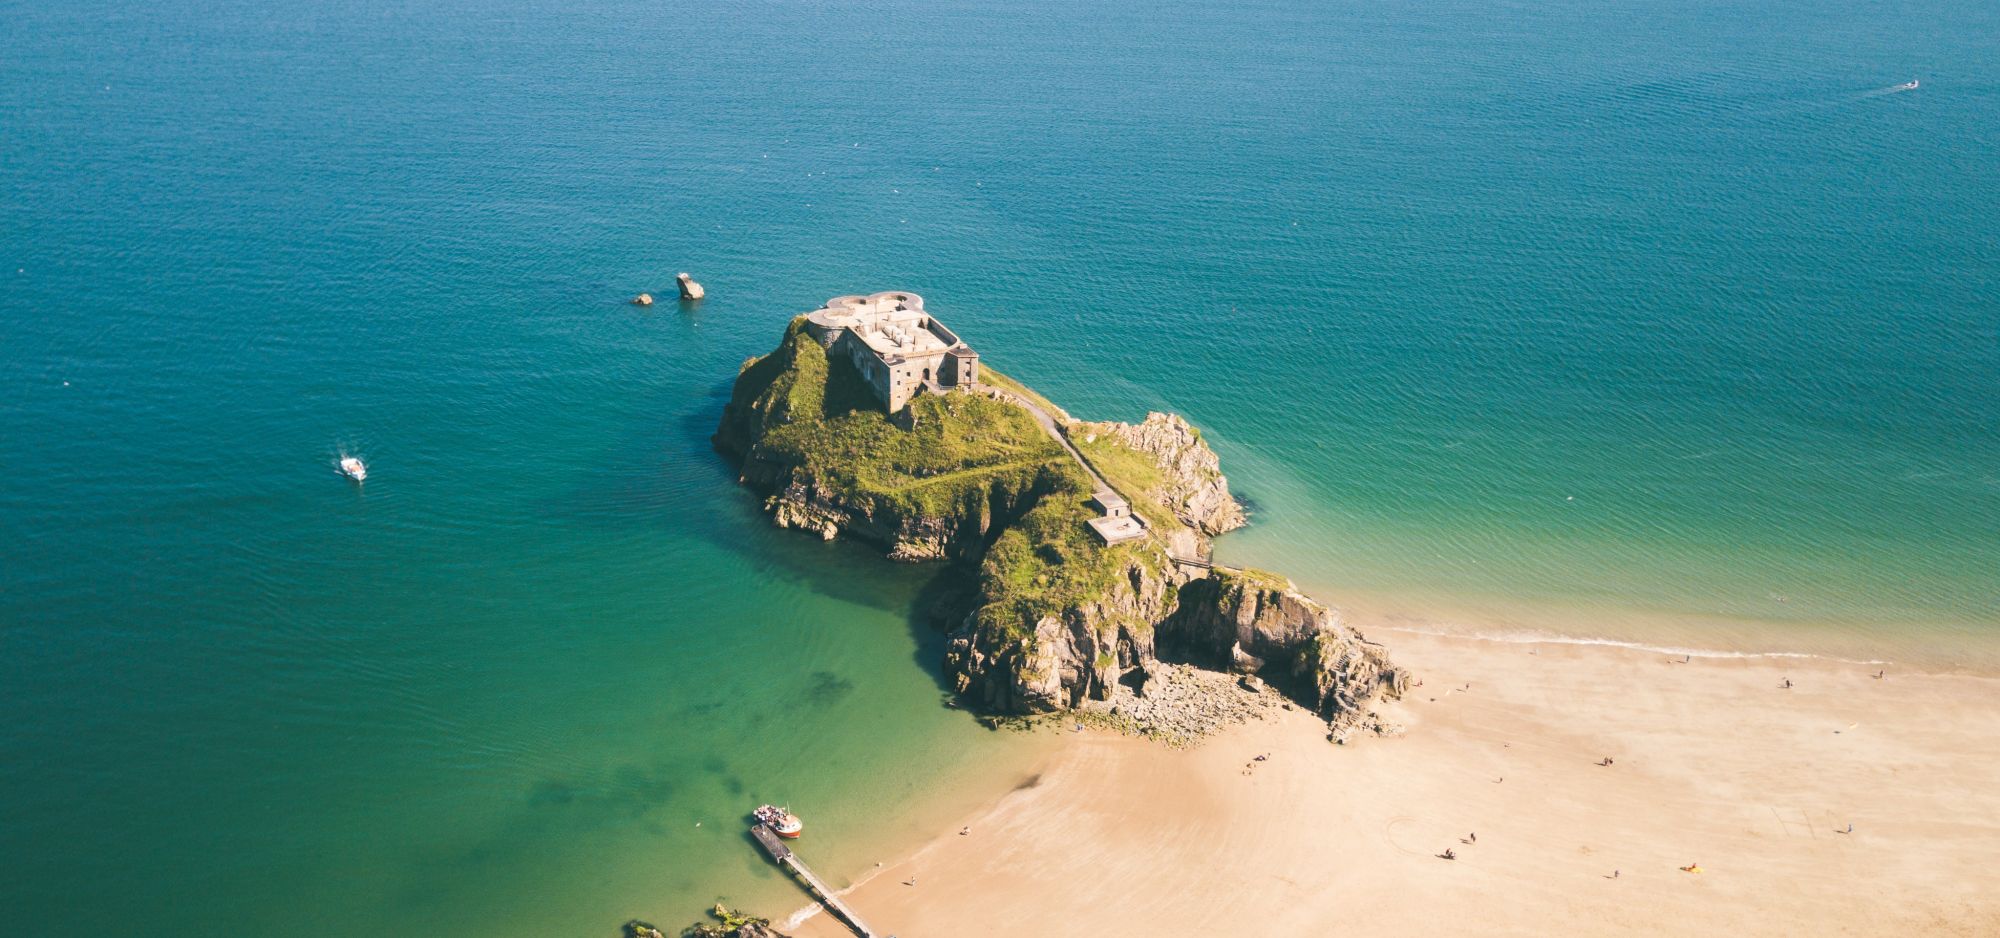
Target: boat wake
(1892, 89)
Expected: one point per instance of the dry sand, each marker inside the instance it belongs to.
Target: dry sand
(1713, 763)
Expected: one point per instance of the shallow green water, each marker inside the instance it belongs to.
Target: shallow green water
(1661, 322)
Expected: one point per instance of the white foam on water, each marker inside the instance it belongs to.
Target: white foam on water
(1543, 638)
(1892, 89)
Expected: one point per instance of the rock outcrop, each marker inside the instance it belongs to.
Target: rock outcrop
(1179, 704)
(728, 923)
(690, 290)
(1193, 486)
(1047, 617)
(1257, 623)
(800, 427)
(801, 499)
(1064, 657)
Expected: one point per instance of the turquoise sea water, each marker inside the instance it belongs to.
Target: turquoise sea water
(1657, 321)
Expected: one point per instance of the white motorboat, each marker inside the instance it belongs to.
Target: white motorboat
(353, 468)
(781, 821)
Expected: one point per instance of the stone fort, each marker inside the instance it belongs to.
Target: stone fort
(898, 348)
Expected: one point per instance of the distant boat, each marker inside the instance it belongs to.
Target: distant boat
(781, 822)
(1910, 85)
(354, 468)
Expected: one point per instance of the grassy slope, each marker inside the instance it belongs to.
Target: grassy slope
(819, 415)
(989, 376)
(1134, 474)
(797, 406)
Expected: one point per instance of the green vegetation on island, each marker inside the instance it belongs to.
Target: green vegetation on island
(825, 420)
(975, 466)
(1051, 605)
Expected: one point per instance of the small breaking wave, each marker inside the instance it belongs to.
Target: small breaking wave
(1540, 638)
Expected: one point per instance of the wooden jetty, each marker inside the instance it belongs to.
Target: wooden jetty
(784, 857)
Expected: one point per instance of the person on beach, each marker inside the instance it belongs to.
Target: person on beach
(1788, 683)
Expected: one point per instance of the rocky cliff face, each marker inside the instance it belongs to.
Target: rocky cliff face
(810, 436)
(1243, 621)
(1259, 624)
(799, 499)
(1194, 488)
(1053, 619)
(1066, 656)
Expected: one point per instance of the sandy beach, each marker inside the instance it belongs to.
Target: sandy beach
(1714, 762)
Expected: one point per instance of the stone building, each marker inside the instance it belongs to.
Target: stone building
(1116, 524)
(898, 348)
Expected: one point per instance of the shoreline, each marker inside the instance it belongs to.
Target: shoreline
(1715, 763)
(1509, 620)
(1637, 646)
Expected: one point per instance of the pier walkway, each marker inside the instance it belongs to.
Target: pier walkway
(784, 857)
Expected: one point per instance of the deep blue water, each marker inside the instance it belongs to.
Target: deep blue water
(1659, 321)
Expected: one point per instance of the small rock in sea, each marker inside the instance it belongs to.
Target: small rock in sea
(690, 290)
(643, 299)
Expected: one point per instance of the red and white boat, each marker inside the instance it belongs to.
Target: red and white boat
(781, 822)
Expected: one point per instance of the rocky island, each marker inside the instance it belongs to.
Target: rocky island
(1076, 579)
(1078, 551)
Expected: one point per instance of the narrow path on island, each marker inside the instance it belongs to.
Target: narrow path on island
(1054, 429)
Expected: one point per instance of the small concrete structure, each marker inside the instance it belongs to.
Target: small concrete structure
(1118, 523)
(897, 347)
(690, 290)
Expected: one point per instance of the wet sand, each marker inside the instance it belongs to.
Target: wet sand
(1714, 763)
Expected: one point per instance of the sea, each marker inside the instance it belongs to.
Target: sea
(1665, 322)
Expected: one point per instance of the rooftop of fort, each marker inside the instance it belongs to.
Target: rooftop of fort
(893, 325)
